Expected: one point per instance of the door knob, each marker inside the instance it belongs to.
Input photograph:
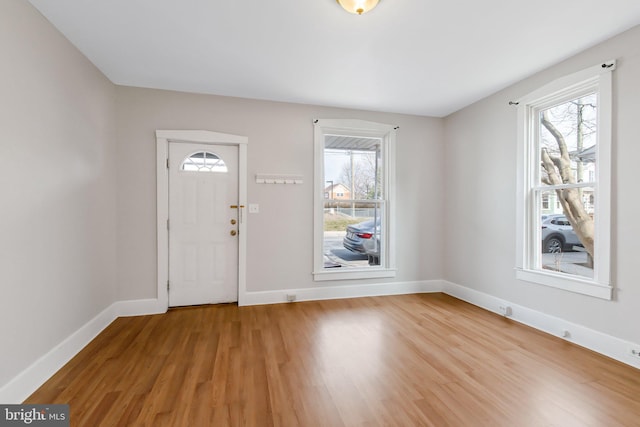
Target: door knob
(234, 232)
(233, 222)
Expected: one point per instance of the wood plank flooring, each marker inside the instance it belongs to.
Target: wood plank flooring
(411, 360)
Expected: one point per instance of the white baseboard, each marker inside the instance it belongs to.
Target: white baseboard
(140, 307)
(337, 292)
(599, 342)
(28, 381)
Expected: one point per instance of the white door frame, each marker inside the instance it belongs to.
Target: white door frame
(163, 137)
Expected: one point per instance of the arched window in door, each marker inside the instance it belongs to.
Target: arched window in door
(204, 161)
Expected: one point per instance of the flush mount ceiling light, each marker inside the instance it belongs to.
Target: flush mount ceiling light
(358, 6)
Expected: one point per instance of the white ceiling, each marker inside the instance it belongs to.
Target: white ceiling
(423, 57)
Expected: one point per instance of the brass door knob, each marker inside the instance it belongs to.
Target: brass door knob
(234, 232)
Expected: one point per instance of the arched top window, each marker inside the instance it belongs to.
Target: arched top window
(204, 161)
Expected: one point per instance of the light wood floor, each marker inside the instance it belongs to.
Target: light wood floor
(412, 360)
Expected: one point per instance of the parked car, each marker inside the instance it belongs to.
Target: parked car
(357, 234)
(558, 234)
(361, 238)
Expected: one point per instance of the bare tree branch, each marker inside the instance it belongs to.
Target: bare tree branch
(559, 171)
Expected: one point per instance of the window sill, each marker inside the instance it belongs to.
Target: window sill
(321, 276)
(571, 284)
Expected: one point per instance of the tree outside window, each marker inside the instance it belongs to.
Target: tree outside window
(567, 144)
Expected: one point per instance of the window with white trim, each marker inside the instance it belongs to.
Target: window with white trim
(564, 154)
(354, 199)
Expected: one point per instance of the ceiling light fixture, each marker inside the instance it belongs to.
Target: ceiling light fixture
(358, 6)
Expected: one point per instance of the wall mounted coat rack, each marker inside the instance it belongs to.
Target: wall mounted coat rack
(269, 178)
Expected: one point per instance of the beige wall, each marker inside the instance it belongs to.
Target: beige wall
(57, 244)
(280, 247)
(480, 164)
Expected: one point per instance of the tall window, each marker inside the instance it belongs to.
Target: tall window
(354, 200)
(564, 155)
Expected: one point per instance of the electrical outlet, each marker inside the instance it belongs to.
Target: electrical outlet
(505, 310)
(635, 352)
(291, 297)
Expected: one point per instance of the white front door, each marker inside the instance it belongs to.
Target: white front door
(203, 226)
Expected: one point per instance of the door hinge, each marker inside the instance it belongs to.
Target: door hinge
(167, 163)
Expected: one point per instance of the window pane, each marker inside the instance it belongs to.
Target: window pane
(353, 168)
(352, 234)
(567, 239)
(353, 204)
(567, 143)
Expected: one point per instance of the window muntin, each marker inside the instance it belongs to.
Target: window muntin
(354, 202)
(561, 249)
(203, 161)
(564, 162)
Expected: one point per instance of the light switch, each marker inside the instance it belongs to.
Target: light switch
(254, 208)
